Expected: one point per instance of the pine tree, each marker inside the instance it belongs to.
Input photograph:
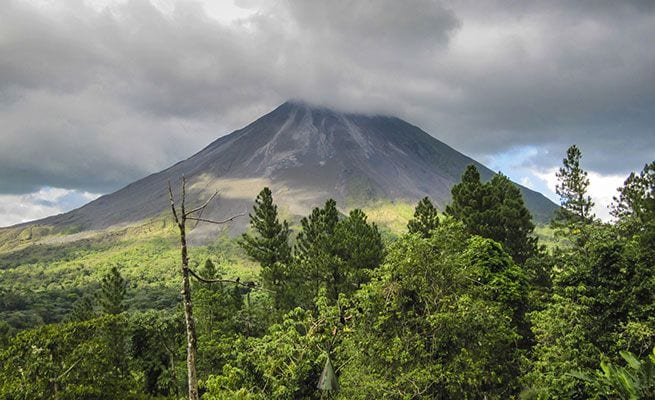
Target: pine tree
(425, 219)
(269, 243)
(316, 250)
(360, 248)
(317, 229)
(208, 270)
(508, 221)
(467, 198)
(111, 299)
(572, 188)
(112, 292)
(636, 200)
(494, 210)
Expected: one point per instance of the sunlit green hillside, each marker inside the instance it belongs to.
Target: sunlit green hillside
(41, 278)
(43, 272)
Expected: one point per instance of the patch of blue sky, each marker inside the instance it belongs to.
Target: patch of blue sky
(519, 163)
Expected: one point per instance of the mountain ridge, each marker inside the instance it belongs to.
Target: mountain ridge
(306, 154)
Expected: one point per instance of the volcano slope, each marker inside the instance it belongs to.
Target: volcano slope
(306, 155)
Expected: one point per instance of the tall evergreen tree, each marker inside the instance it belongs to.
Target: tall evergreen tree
(467, 198)
(425, 219)
(508, 221)
(361, 249)
(576, 204)
(111, 296)
(317, 229)
(494, 210)
(316, 250)
(268, 243)
(636, 200)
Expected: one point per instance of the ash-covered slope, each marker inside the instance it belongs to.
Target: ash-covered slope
(306, 155)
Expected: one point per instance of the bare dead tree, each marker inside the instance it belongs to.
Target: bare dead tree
(180, 220)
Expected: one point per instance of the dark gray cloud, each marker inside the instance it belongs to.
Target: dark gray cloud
(93, 97)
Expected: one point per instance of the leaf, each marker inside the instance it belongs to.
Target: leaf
(632, 361)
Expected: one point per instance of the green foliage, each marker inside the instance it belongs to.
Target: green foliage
(360, 250)
(494, 210)
(5, 334)
(336, 255)
(221, 314)
(269, 245)
(576, 205)
(467, 308)
(286, 363)
(429, 326)
(64, 361)
(468, 197)
(563, 345)
(425, 220)
(111, 296)
(83, 309)
(635, 206)
(634, 381)
(156, 341)
(315, 251)
(602, 302)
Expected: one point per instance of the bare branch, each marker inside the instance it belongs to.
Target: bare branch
(68, 370)
(202, 206)
(217, 222)
(248, 284)
(170, 195)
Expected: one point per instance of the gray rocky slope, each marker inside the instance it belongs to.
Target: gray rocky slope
(306, 155)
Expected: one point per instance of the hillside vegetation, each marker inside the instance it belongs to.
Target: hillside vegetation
(390, 302)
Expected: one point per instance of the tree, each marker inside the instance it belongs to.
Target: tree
(425, 219)
(636, 200)
(316, 229)
(563, 345)
(269, 245)
(156, 341)
(360, 248)
(576, 204)
(64, 361)
(467, 198)
(315, 252)
(180, 220)
(508, 221)
(602, 303)
(432, 324)
(285, 363)
(112, 292)
(494, 210)
(111, 298)
(336, 254)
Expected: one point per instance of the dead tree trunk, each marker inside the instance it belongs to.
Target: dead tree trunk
(192, 339)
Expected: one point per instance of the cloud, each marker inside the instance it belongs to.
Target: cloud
(15, 209)
(602, 189)
(95, 94)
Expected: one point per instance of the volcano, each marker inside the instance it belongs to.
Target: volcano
(305, 154)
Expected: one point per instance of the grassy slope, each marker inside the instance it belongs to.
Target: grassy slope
(40, 279)
(43, 272)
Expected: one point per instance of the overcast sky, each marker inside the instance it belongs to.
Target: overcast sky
(96, 94)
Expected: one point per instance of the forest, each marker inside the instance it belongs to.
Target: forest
(465, 303)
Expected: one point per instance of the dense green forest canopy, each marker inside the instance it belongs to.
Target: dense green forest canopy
(461, 304)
